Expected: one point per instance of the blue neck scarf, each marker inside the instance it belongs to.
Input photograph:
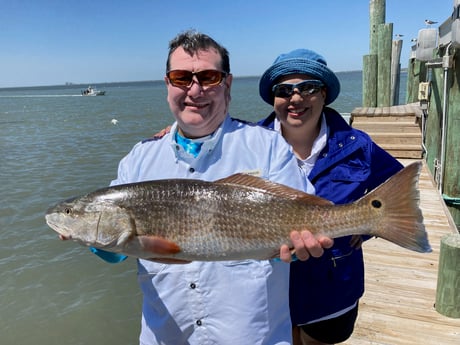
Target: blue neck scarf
(189, 145)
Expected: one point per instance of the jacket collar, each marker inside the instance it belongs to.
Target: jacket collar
(343, 140)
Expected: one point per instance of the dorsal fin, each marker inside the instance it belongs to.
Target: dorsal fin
(272, 188)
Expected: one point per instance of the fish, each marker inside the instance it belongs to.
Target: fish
(235, 218)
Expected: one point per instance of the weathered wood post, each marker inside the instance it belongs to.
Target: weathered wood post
(395, 71)
(448, 286)
(370, 62)
(370, 80)
(451, 179)
(377, 17)
(385, 34)
(434, 133)
(416, 73)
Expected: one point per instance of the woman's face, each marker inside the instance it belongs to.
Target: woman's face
(301, 107)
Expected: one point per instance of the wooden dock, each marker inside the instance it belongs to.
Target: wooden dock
(397, 129)
(398, 305)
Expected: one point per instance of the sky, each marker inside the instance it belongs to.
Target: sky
(51, 42)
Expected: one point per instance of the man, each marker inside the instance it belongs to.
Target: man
(232, 302)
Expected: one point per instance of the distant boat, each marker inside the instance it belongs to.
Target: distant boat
(90, 91)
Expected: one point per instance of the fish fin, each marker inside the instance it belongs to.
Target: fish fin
(169, 261)
(402, 220)
(158, 245)
(273, 188)
(124, 237)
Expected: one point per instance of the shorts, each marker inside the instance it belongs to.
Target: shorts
(334, 330)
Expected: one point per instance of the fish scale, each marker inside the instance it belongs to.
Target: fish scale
(239, 217)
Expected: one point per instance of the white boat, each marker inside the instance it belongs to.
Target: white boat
(90, 91)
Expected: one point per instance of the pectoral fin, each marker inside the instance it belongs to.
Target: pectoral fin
(158, 245)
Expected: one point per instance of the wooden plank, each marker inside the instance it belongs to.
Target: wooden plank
(401, 147)
(383, 128)
(415, 154)
(398, 142)
(407, 109)
(398, 305)
(396, 129)
(413, 135)
(409, 119)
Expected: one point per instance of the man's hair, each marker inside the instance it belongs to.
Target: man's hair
(192, 42)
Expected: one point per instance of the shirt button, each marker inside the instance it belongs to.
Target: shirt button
(340, 145)
(192, 170)
(198, 322)
(192, 285)
(352, 137)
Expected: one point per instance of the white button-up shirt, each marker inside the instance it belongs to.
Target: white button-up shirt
(229, 302)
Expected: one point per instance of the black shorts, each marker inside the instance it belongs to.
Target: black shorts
(334, 330)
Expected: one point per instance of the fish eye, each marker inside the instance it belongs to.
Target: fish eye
(67, 210)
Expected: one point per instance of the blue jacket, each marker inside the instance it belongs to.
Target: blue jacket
(349, 166)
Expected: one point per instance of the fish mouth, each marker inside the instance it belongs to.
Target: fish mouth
(64, 233)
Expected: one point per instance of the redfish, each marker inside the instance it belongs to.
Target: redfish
(235, 218)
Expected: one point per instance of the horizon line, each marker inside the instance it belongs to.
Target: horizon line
(71, 84)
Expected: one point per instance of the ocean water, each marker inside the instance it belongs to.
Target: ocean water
(55, 144)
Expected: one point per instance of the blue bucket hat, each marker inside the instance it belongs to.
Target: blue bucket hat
(299, 61)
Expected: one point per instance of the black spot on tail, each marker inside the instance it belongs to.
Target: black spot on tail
(376, 203)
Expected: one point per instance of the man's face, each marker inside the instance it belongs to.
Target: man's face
(198, 110)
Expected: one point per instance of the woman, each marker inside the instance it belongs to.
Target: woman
(343, 163)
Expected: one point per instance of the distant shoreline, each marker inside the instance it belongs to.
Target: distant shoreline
(100, 85)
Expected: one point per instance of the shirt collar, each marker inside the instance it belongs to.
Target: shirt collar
(318, 145)
(208, 142)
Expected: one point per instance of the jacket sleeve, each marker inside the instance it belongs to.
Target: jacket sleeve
(383, 166)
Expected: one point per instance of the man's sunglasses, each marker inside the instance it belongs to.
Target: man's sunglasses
(305, 88)
(183, 78)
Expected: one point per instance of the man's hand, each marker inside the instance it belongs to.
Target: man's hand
(162, 133)
(305, 244)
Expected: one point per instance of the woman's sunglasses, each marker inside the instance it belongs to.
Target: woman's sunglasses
(305, 88)
(183, 78)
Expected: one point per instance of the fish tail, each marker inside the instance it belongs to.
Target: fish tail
(401, 220)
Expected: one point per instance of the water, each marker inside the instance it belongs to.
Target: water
(56, 144)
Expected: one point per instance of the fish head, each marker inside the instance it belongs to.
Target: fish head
(92, 221)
